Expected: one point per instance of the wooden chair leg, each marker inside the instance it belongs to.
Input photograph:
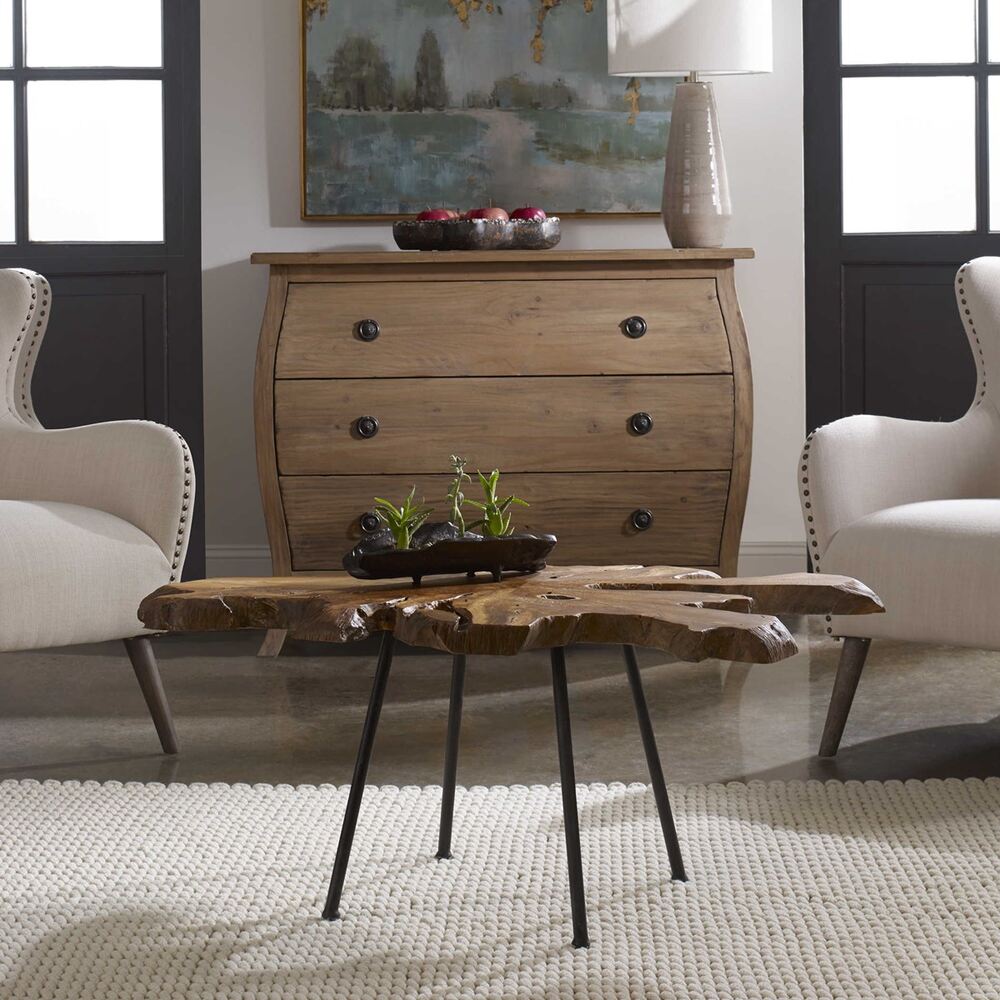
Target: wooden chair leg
(273, 642)
(852, 662)
(140, 652)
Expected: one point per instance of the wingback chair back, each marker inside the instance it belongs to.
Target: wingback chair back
(912, 508)
(25, 303)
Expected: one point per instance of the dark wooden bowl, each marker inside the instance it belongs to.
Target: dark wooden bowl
(515, 553)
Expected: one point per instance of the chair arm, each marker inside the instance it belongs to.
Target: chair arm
(135, 469)
(862, 464)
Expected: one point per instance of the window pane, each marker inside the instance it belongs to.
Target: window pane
(907, 31)
(6, 33)
(909, 154)
(994, 153)
(6, 161)
(95, 160)
(993, 14)
(93, 32)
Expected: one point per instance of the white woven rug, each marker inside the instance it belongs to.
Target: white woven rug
(798, 890)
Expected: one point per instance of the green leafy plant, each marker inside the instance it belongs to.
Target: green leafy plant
(496, 518)
(455, 494)
(404, 520)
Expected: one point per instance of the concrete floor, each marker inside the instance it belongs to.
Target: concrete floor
(77, 713)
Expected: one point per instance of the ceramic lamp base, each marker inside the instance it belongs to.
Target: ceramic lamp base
(696, 204)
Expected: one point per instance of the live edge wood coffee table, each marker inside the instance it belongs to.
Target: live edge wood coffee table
(692, 614)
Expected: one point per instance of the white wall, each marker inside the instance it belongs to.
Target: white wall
(250, 192)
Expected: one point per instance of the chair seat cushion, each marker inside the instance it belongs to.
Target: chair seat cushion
(72, 574)
(936, 566)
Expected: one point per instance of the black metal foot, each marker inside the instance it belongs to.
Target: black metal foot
(571, 821)
(451, 757)
(331, 911)
(655, 768)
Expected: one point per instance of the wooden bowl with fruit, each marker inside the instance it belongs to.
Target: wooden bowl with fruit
(487, 228)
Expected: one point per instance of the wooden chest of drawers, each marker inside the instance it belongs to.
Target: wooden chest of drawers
(611, 387)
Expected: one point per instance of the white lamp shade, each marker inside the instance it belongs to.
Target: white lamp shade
(676, 37)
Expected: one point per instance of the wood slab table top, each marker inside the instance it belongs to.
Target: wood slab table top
(693, 614)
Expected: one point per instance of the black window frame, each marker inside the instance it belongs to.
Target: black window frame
(168, 73)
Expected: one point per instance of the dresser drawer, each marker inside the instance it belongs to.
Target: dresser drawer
(519, 425)
(542, 327)
(590, 513)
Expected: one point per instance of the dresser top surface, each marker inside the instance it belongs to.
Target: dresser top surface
(423, 257)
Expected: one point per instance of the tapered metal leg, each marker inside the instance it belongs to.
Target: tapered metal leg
(140, 653)
(331, 911)
(571, 820)
(655, 768)
(852, 662)
(451, 756)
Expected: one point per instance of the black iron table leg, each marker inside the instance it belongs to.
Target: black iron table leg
(451, 756)
(571, 820)
(331, 911)
(655, 768)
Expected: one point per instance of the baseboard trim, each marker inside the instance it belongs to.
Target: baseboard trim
(767, 558)
(756, 559)
(238, 560)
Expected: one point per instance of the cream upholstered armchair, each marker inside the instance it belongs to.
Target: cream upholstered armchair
(913, 510)
(91, 518)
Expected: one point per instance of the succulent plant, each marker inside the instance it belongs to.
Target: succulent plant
(495, 522)
(455, 494)
(403, 520)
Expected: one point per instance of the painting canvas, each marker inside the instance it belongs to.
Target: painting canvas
(410, 104)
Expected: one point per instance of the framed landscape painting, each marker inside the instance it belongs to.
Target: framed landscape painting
(410, 104)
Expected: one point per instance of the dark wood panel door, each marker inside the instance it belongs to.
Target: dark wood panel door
(906, 353)
(104, 352)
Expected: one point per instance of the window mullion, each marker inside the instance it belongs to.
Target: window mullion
(982, 154)
(20, 132)
(982, 119)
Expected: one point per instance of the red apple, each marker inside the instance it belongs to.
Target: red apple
(487, 213)
(529, 212)
(437, 215)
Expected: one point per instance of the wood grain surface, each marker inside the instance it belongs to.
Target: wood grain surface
(558, 327)
(518, 425)
(512, 258)
(691, 614)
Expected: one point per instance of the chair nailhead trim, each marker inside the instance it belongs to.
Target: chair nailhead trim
(980, 357)
(807, 506)
(36, 283)
(185, 507)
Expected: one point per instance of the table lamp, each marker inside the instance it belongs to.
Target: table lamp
(690, 38)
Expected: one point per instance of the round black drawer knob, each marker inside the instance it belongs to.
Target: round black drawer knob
(642, 519)
(369, 523)
(634, 327)
(367, 427)
(641, 423)
(368, 329)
